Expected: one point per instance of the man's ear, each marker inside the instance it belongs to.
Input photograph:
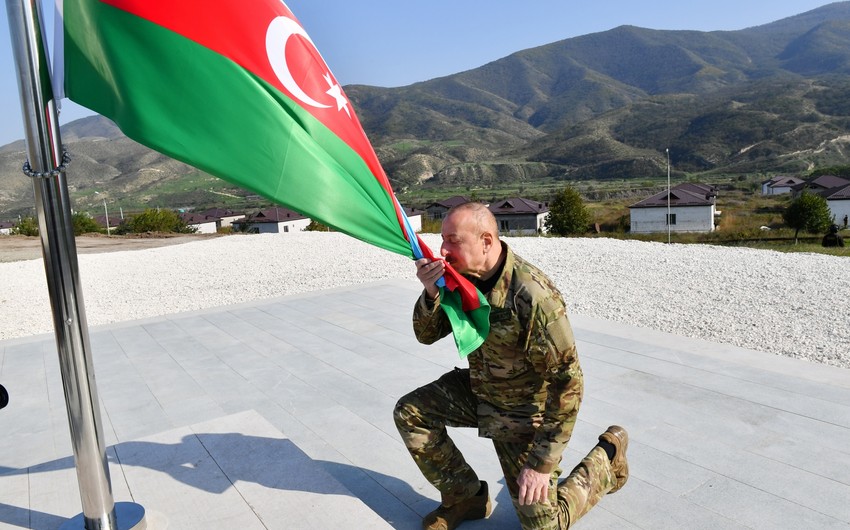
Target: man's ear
(487, 239)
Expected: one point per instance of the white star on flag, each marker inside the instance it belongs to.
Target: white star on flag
(336, 92)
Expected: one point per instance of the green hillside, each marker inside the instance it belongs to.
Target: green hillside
(600, 107)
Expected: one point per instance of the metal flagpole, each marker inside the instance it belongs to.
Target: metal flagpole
(45, 166)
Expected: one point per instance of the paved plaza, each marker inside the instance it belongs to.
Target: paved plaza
(277, 414)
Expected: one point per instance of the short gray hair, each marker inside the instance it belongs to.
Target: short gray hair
(485, 221)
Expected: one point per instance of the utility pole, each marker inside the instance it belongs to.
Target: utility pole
(106, 217)
(669, 218)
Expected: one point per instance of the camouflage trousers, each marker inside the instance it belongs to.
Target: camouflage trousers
(422, 417)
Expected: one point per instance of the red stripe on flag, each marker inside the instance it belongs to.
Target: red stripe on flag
(454, 281)
(238, 32)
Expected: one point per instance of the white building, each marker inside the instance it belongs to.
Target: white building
(692, 209)
(437, 210)
(223, 216)
(201, 223)
(414, 216)
(779, 185)
(819, 185)
(6, 228)
(518, 216)
(272, 221)
(838, 200)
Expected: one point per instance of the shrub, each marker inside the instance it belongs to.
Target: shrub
(156, 220)
(84, 224)
(28, 226)
(432, 226)
(316, 226)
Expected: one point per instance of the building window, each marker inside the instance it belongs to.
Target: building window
(504, 225)
(671, 218)
(286, 229)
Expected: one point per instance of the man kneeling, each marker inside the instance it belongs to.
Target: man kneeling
(522, 389)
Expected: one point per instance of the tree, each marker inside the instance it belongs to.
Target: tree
(567, 213)
(838, 171)
(316, 226)
(808, 212)
(84, 224)
(156, 220)
(28, 226)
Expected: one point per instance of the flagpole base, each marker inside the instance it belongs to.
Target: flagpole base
(128, 516)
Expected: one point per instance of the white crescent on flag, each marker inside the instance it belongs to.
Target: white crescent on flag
(278, 34)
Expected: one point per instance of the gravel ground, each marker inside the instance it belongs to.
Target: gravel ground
(788, 304)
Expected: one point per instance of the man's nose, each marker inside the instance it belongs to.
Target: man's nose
(443, 251)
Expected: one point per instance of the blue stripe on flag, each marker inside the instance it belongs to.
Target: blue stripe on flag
(411, 237)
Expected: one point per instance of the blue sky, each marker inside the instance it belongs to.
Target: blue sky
(396, 43)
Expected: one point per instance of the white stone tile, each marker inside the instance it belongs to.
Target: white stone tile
(713, 427)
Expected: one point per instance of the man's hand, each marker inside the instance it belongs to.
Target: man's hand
(428, 273)
(533, 486)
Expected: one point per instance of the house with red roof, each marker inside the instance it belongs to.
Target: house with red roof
(224, 217)
(780, 185)
(838, 200)
(518, 216)
(272, 221)
(836, 191)
(414, 216)
(437, 210)
(107, 223)
(819, 184)
(691, 209)
(203, 224)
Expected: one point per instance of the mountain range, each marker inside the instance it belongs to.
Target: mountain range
(769, 99)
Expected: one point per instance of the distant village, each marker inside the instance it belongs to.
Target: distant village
(687, 207)
(693, 207)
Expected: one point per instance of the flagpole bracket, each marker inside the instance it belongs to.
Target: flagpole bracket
(28, 171)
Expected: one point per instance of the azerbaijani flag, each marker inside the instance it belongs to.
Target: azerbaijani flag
(237, 88)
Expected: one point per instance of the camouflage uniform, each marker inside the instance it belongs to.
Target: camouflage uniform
(522, 389)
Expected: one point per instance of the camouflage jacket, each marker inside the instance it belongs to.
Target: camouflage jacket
(526, 376)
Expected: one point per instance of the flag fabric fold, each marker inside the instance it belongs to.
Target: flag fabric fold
(243, 94)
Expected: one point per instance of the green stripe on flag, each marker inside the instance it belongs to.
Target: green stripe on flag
(469, 329)
(194, 105)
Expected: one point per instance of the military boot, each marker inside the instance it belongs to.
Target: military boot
(619, 438)
(477, 507)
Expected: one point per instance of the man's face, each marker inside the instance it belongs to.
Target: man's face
(463, 246)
